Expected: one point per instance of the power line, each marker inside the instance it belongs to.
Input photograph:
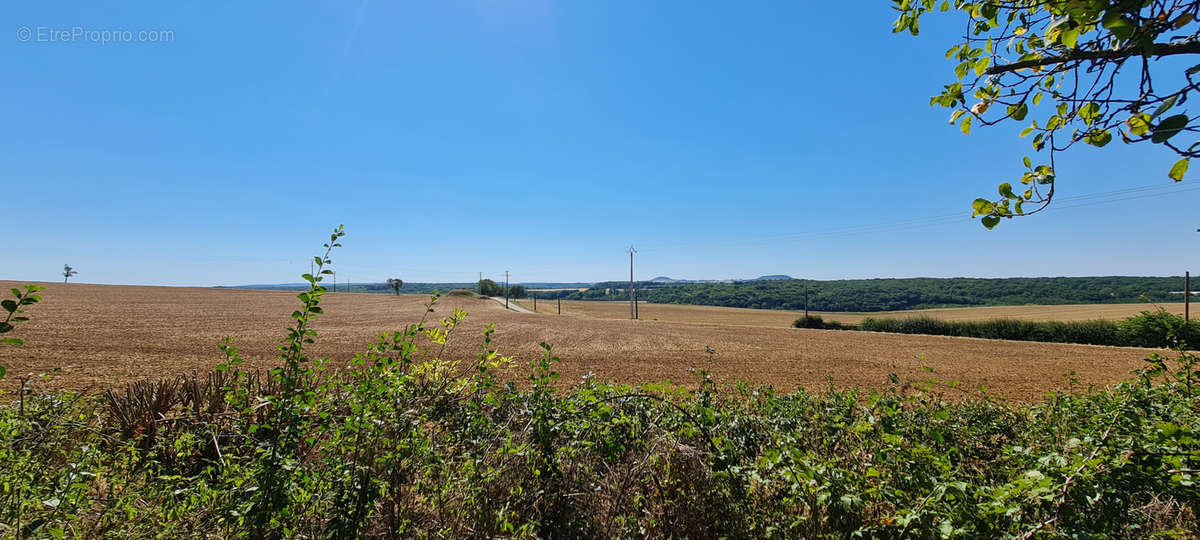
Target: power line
(632, 297)
(1061, 203)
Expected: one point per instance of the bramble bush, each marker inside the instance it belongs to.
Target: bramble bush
(405, 442)
(1154, 329)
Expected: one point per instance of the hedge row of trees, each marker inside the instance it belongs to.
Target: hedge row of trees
(866, 295)
(1156, 329)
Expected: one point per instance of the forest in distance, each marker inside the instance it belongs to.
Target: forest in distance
(894, 294)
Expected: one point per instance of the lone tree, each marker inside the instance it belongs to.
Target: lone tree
(68, 272)
(488, 287)
(1093, 63)
(395, 284)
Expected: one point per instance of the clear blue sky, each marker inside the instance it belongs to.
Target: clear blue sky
(544, 138)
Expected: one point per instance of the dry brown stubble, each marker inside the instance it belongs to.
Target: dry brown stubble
(104, 335)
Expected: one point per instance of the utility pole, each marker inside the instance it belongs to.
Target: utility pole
(806, 300)
(632, 304)
(534, 295)
(480, 283)
(1187, 295)
(334, 281)
(506, 289)
(560, 305)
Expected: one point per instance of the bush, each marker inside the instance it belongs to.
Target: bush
(462, 292)
(815, 321)
(1159, 329)
(1150, 329)
(488, 287)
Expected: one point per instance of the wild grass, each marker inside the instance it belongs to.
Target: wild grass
(405, 445)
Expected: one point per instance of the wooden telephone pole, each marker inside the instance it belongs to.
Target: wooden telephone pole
(806, 300)
(506, 289)
(632, 298)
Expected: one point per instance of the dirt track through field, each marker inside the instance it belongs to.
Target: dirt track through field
(106, 335)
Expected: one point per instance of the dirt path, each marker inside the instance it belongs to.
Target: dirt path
(512, 305)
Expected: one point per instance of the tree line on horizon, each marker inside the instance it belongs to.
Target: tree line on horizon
(894, 294)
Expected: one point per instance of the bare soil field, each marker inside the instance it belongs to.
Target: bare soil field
(101, 335)
(770, 317)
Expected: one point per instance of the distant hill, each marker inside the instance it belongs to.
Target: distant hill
(663, 279)
(772, 277)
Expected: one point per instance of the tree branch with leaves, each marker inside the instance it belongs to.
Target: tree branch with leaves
(13, 314)
(1094, 64)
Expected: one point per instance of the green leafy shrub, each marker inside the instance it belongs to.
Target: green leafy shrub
(14, 314)
(1159, 329)
(815, 321)
(403, 442)
(1150, 329)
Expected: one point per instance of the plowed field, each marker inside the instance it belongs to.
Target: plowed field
(103, 335)
(772, 317)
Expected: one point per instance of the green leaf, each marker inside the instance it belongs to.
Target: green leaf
(1116, 22)
(981, 65)
(1168, 128)
(1178, 170)
(1139, 124)
(1166, 104)
(1028, 164)
(1018, 112)
(961, 69)
(9, 305)
(965, 126)
(1070, 37)
(990, 221)
(1006, 191)
(1089, 113)
(982, 206)
(1099, 139)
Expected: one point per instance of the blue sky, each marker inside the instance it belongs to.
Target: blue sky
(544, 138)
